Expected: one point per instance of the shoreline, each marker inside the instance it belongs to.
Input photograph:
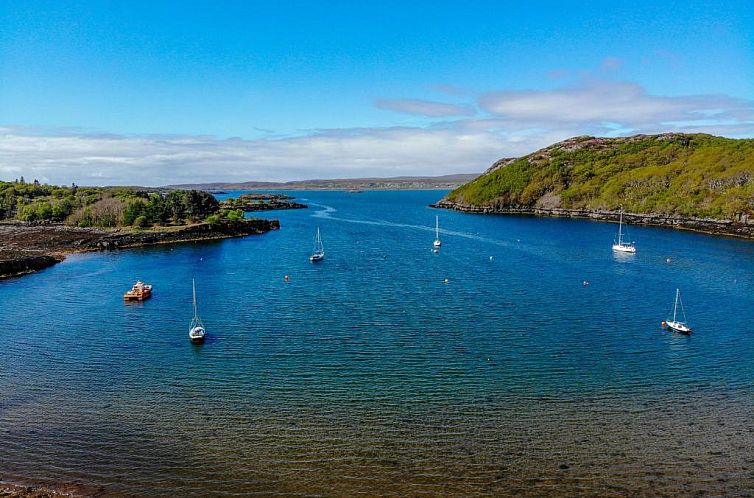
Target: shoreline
(742, 229)
(27, 248)
(18, 490)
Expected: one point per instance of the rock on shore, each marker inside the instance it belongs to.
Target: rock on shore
(742, 227)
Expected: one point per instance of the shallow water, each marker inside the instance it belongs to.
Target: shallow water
(368, 374)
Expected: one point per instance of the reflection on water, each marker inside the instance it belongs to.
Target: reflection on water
(369, 374)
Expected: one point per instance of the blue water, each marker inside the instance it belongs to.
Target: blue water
(368, 374)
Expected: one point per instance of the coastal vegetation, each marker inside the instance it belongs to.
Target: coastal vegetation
(261, 202)
(684, 175)
(108, 207)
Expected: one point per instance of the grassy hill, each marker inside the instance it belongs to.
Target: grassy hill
(672, 174)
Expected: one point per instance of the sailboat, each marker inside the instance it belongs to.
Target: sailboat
(437, 242)
(619, 245)
(319, 250)
(674, 324)
(196, 329)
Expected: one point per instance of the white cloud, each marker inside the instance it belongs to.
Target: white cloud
(91, 159)
(628, 104)
(515, 123)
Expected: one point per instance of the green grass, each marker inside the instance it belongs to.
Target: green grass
(679, 174)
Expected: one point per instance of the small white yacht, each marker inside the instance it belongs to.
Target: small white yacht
(196, 329)
(318, 254)
(619, 245)
(437, 242)
(675, 324)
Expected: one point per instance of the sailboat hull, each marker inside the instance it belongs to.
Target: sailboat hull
(678, 327)
(624, 248)
(316, 257)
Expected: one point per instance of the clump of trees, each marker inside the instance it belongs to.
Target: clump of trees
(177, 206)
(107, 206)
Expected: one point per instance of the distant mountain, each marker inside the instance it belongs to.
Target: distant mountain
(395, 183)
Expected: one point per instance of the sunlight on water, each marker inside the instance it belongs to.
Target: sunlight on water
(487, 368)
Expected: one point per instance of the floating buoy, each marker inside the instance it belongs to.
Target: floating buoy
(585, 283)
(490, 258)
(286, 278)
(668, 260)
(446, 280)
(663, 324)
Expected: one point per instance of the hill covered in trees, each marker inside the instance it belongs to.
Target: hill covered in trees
(673, 175)
(107, 207)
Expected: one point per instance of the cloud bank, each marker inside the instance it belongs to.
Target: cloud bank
(511, 123)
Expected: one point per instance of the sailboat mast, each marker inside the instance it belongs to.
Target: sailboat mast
(193, 286)
(620, 228)
(675, 308)
(437, 228)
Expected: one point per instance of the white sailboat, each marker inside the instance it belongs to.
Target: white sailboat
(437, 242)
(675, 324)
(318, 254)
(619, 245)
(196, 329)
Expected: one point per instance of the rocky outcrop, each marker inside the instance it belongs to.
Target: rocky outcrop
(14, 266)
(25, 248)
(192, 233)
(262, 202)
(741, 227)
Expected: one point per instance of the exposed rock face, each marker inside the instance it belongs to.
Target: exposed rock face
(25, 264)
(25, 248)
(741, 227)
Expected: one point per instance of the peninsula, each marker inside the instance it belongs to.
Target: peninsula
(40, 224)
(690, 181)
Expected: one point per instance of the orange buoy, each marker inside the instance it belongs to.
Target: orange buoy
(663, 324)
(286, 278)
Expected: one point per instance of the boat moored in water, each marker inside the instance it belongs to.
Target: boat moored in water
(318, 254)
(619, 245)
(139, 292)
(196, 329)
(437, 243)
(676, 325)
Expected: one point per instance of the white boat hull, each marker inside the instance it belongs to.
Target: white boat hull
(679, 327)
(197, 334)
(437, 243)
(624, 248)
(316, 257)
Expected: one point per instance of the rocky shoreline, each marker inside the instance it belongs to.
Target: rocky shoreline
(262, 202)
(26, 248)
(742, 227)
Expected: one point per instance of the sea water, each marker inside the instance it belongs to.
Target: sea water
(488, 367)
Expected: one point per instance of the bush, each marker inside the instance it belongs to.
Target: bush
(141, 222)
(235, 214)
(213, 219)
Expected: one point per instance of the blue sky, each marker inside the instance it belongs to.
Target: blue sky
(184, 91)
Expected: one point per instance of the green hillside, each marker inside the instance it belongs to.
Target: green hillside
(679, 174)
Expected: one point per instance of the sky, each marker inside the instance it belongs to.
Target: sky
(161, 92)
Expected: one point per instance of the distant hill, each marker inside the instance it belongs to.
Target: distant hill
(395, 183)
(677, 174)
(662, 179)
